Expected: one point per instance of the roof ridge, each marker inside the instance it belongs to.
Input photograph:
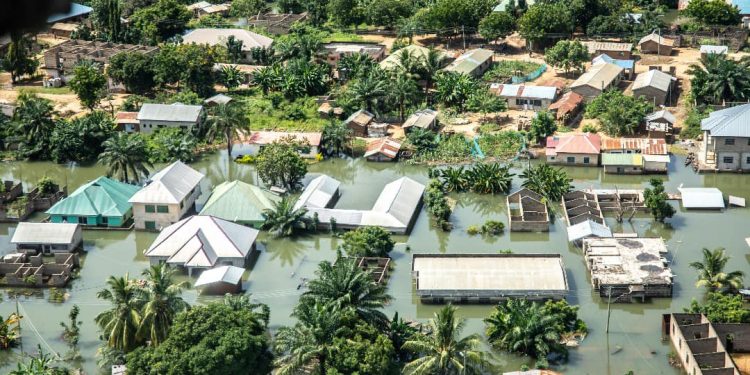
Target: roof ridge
(236, 246)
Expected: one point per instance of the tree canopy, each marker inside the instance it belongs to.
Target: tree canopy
(618, 114)
(367, 242)
(713, 12)
(279, 164)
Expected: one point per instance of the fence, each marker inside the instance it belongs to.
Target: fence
(529, 77)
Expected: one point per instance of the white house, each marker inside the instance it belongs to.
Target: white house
(168, 195)
(47, 238)
(309, 142)
(155, 116)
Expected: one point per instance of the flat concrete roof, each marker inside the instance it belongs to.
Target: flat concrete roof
(496, 273)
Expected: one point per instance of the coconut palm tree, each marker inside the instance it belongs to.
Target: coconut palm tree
(454, 179)
(283, 220)
(409, 64)
(355, 66)
(432, 62)
(348, 286)
(522, 326)
(125, 156)
(369, 90)
(303, 348)
(228, 121)
(550, 182)
(403, 91)
(489, 178)
(443, 350)
(335, 138)
(162, 302)
(265, 78)
(711, 273)
(120, 323)
(719, 78)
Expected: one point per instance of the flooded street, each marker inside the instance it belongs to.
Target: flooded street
(633, 343)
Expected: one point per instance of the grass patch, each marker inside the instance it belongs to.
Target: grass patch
(451, 149)
(45, 90)
(502, 71)
(503, 145)
(340, 36)
(273, 112)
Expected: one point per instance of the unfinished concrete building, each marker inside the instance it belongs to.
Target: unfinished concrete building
(627, 269)
(527, 212)
(377, 267)
(24, 270)
(16, 206)
(702, 347)
(580, 206)
(62, 58)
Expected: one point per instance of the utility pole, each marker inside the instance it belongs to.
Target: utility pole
(18, 318)
(463, 35)
(609, 306)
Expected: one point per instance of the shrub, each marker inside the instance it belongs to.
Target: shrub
(45, 185)
(472, 230)
(588, 128)
(493, 227)
(245, 159)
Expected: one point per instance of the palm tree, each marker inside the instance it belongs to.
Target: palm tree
(711, 273)
(125, 156)
(489, 178)
(229, 121)
(409, 64)
(454, 179)
(552, 183)
(443, 351)
(335, 138)
(283, 220)
(355, 66)
(162, 303)
(265, 78)
(522, 326)
(120, 323)
(230, 77)
(719, 78)
(33, 119)
(455, 89)
(243, 302)
(348, 286)
(370, 89)
(303, 347)
(403, 91)
(432, 62)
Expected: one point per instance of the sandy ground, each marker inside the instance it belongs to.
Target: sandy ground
(742, 360)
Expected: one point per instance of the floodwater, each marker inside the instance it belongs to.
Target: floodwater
(634, 339)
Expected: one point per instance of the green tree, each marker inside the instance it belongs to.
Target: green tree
(454, 179)
(18, 60)
(721, 308)
(160, 21)
(387, 13)
(364, 350)
(10, 331)
(284, 220)
(345, 12)
(484, 102)
(33, 120)
(42, 364)
(567, 55)
(167, 145)
(719, 79)
(335, 138)
(607, 24)
(72, 330)
(496, 25)
(443, 350)
(404, 91)
(454, 89)
(106, 17)
(134, 70)
(367, 242)
(227, 121)
(186, 66)
(234, 49)
(279, 164)
(231, 77)
(432, 63)
(656, 200)
(119, 324)
(422, 139)
(125, 156)
(82, 138)
(618, 114)
(212, 339)
(265, 78)
(711, 274)
(247, 8)
(713, 12)
(437, 204)
(457, 13)
(550, 182)
(545, 18)
(489, 178)
(162, 302)
(243, 302)
(347, 286)
(370, 90)
(542, 126)
(88, 83)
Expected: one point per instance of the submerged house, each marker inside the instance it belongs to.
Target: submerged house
(202, 242)
(46, 238)
(309, 142)
(154, 116)
(527, 211)
(635, 155)
(220, 280)
(240, 202)
(102, 202)
(726, 140)
(574, 149)
(659, 124)
(567, 107)
(359, 122)
(703, 347)
(167, 197)
(382, 149)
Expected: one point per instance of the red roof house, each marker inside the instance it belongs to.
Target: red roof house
(574, 149)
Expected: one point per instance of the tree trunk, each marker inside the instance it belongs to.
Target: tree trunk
(229, 144)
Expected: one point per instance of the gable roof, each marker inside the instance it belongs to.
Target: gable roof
(594, 46)
(570, 101)
(169, 112)
(386, 146)
(653, 78)
(653, 37)
(711, 198)
(729, 122)
(587, 143)
(223, 274)
(361, 118)
(599, 76)
(666, 115)
(170, 185)
(318, 193)
(218, 99)
(239, 202)
(604, 58)
(646, 146)
(469, 61)
(102, 196)
(524, 91)
(48, 233)
(214, 37)
(424, 118)
(588, 228)
(199, 240)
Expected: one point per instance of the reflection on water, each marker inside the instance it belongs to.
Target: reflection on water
(279, 272)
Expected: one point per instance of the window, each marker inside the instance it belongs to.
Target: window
(571, 159)
(728, 159)
(162, 209)
(82, 220)
(150, 208)
(729, 141)
(537, 103)
(748, 141)
(150, 225)
(586, 160)
(747, 160)
(105, 220)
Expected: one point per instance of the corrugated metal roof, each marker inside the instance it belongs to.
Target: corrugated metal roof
(653, 37)
(656, 158)
(710, 198)
(651, 146)
(214, 37)
(400, 199)
(102, 196)
(44, 233)
(170, 112)
(170, 185)
(386, 146)
(661, 114)
(625, 64)
(653, 78)
(318, 193)
(587, 143)
(622, 159)
(524, 91)
(239, 202)
(423, 118)
(199, 240)
(599, 76)
(361, 118)
(588, 228)
(566, 104)
(594, 46)
(719, 50)
(729, 122)
(469, 61)
(224, 274)
(219, 99)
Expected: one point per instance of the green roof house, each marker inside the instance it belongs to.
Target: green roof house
(239, 202)
(102, 202)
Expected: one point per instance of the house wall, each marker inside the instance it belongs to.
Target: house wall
(111, 221)
(163, 220)
(379, 158)
(739, 152)
(623, 169)
(653, 47)
(653, 166)
(587, 92)
(652, 94)
(617, 55)
(578, 159)
(479, 71)
(148, 126)
(357, 131)
(512, 103)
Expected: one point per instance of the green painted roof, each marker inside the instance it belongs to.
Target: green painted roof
(622, 159)
(103, 196)
(239, 201)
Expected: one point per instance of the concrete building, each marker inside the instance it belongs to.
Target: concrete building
(220, 280)
(628, 66)
(707, 49)
(321, 192)
(488, 278)
(382, 149)
(659, 124)
(703, 347)
(620, 51)
(525, 97)
(656, 44)
(102, 202)
(527, 211)
(60, 60)
(240, 202)
(472, 63)
(167, 197)
(596, 80)
(252, 145)
(622, 163)
(574, 149)
(334, 51)
(156, 116)
(726, 140)
(635, 155)
(627, 269)
(213, 37)
(202, 242)
(127, 122)
(655, 86)
(46, 238)
(424, 119)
